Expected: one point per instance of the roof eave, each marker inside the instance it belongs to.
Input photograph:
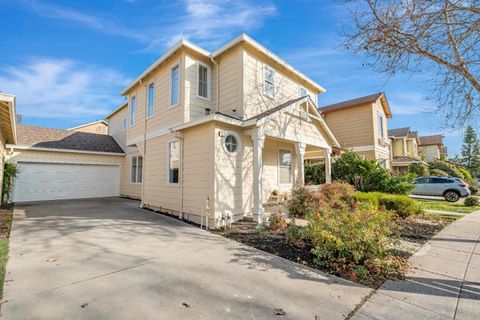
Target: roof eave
(10, 100)
(123, 105)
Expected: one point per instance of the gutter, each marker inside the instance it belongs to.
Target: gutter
(33, 148)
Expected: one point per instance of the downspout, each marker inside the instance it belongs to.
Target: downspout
(218, 83)
(144, 144)
(179, 136)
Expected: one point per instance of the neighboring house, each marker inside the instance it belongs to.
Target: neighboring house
(432, 148)
(8, 131)
(100, 127)
(61, 164)
(360, 125)
(214, 133)
(404, 148)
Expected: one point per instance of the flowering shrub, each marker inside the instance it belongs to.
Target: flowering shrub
(277, 223)
(301, 202)
(346, 239)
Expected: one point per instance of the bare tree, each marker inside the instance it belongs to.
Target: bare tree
(440, 37)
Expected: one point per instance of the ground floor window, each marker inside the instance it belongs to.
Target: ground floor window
(173, 161)
(137, 168)
(284, 166)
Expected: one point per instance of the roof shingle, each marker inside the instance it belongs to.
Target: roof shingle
(431, 140)
(62, 139)
(355, 103)
(399, 132)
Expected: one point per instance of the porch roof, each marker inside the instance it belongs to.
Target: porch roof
(7, 117)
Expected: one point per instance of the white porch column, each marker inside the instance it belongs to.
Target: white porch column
(300, 146)
(328, 165)
(258, 138)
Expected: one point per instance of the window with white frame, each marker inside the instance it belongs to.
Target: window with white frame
(231, 143)
(133, 108)
(203, 81)
(175, 85)
(151, 97)
(268, 81)
(284, 166)
(173, 161)
(125, 124)
(137, 168)
(380, 125)
(303, 92)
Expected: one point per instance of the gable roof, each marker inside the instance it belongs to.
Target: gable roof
(120, 107)
(241, 38)
(50, 138)
(359, 102)
(8, 123)
(89, 124)
(399, 132)
(431, 140)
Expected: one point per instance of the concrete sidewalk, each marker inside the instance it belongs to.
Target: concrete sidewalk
(443, 281)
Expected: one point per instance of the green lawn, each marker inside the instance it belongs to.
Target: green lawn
(447, 206)
(3, 262)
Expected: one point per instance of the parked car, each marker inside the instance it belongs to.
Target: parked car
(448, 187)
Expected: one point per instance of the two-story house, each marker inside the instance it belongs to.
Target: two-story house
(360, 125)
(432, 148)
(405, 144)
(209, 135)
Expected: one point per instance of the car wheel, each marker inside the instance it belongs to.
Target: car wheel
(451, 196)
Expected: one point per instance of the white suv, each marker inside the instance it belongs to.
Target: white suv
(448, 187)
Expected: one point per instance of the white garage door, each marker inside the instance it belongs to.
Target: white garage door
(53, 181)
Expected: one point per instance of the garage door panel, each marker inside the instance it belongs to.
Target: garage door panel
(53, 181)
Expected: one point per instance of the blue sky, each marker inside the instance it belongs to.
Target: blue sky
(67, 61)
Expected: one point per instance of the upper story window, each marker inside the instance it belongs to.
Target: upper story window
(203, 81)
(151, 96)
(173, 161)
(303, 92)
(268, 81)
(380, 125)
(125, 123)
(175, 85)
(133, 108)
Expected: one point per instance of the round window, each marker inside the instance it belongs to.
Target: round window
(231, 143)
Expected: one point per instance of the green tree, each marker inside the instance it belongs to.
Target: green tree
(471, 150)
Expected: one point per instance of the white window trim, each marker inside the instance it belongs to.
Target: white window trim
(176, 64)
(382, 131)
(125, 124)
(130, 123)
(209, 82)
(171, 184)
(300, 91)
(136, 174)
(153, 106)
(264, 80)
(291, 167)
(239, 143)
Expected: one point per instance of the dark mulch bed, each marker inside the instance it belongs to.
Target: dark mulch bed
(5, 221)
(423, 228)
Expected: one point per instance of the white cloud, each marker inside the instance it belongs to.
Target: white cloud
(61, 88)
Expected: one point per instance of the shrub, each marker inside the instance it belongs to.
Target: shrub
(465, 172)
(315, 173)
(277, 223)
(402, 205)
(419, 169)
(448, 168)
(295, 235)
(301, 202)
(472, 201)
(342, 239)
(438, 173)
(10, 171)
(368, 175)
(472, 185)
(336, 195)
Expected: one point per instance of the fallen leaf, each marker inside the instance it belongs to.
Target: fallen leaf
(51, 260)
(279, 312)
(84, 305)
(3, 301)
(186, 305)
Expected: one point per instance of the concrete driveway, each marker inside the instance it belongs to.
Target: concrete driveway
(107, 259)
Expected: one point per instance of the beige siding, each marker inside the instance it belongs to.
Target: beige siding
(115, 128)
(378, 109)
(64, 157)
(431, 153)
(165, 116)
(287, 87)
(397, 147)
(196, 105)
(230, 95)
(127, 187)
(99, 128)
(352, 127)
(3, 153)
